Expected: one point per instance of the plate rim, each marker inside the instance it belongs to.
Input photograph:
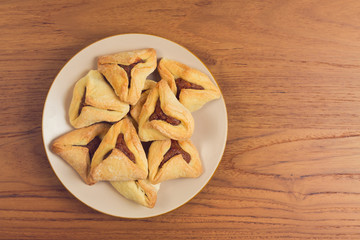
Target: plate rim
(223, 145)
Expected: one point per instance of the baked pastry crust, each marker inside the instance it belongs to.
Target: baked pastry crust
(176, 166)
(95, 101)
(192, 99)
(116, 162)
(128, 80)
(136, 109)
(72, 147)
(157, 129)
(140, 191)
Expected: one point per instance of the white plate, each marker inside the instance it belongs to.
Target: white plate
(209, 136)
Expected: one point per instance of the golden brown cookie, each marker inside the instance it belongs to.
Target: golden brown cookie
(120, 156)
(140, 191)
(136, 109)
(95, 101)
(171, 159)
(192, 87)
(77, 147)
(163, 116)
(127, 71)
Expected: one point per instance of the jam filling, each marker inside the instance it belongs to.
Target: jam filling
(92, 146)
(158, 114)
(107, 154)
(183, 84)
(174, 150)
(121, 145)
(128, 68)
(146, 146)
(82, 103)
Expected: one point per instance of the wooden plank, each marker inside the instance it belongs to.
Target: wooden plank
(289, 72)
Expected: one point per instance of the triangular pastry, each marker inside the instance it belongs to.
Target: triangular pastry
(192, 87)
(163, 116)
(127, 71)
(120, 156)
(136, 109)
(140, 191)
(77, 147)
(95, 101)
(171, 159)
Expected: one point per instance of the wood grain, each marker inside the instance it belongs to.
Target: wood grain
(289, 72)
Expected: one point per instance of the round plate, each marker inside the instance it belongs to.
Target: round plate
(209, 136)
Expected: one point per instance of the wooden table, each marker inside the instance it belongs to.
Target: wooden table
(290, 75)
